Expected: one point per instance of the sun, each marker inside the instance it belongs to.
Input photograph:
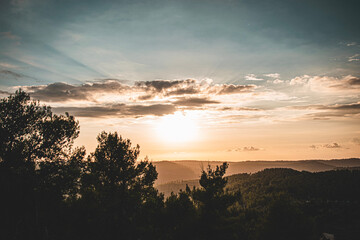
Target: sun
(178, 127)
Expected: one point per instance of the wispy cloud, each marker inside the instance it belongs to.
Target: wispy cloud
(7, 65)
(245, 149)
(325, 112)
(277, 81)
(61, 92)
(168, 88)
(332, 145)
(327, 145)
(351, 44)
(354, 58)
(10, 73)
(239, 109)
(252, 77)
(194, 102)
(119, 110)
(272, 75)
(231, 89)
(326, 83)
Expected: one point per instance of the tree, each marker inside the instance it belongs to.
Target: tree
(114, 164)
(32, 132)
(180, 217)
(39, 169)
(214, 202)
(119, 190)
(212, 197)
(285, 220)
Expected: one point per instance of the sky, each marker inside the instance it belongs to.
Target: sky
(204, 80)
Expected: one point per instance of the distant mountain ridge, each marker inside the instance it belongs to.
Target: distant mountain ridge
(170, 171)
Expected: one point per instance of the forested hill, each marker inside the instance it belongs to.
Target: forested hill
(334, 184)
(314, 201)
(190, 169)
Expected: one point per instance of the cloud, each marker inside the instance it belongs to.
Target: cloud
(342, 109)
(232, 89)
(351, 44)
(7, 65)
(328, 111)
(332, 145)
(112, 97)
(277, 81)
(273, 75)
(239, 109)
(345, 107)
(11, 73)
(119, 110)
(194, 102)
(163, 85)
(166, 88)
(300, 80)
(145, 97)
(183, 91)
(250, 149)
(141, 91)
(354, 58)
(245, 149)
(60, 92)
(350, 106)
(155, 109)
(328, 145)
(328, 84)
(252, 77)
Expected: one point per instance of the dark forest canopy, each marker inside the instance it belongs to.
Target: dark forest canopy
(51, 190)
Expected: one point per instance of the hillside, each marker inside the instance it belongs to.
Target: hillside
(337, 184)
(170, 171)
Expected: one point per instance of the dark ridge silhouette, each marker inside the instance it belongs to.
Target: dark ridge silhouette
(190, 169)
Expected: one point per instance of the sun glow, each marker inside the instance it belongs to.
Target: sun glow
(178, 127)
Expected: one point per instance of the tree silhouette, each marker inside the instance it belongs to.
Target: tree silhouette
(180, 216)
(39, 169)
(32, 132)
(212, 198)
(213, 201)
(120, 187)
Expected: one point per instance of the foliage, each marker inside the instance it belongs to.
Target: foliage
(119, 187)
(211, 198)
(32, 132)
(39, 169)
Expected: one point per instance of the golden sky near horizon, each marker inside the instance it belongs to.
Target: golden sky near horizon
(205, 80)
